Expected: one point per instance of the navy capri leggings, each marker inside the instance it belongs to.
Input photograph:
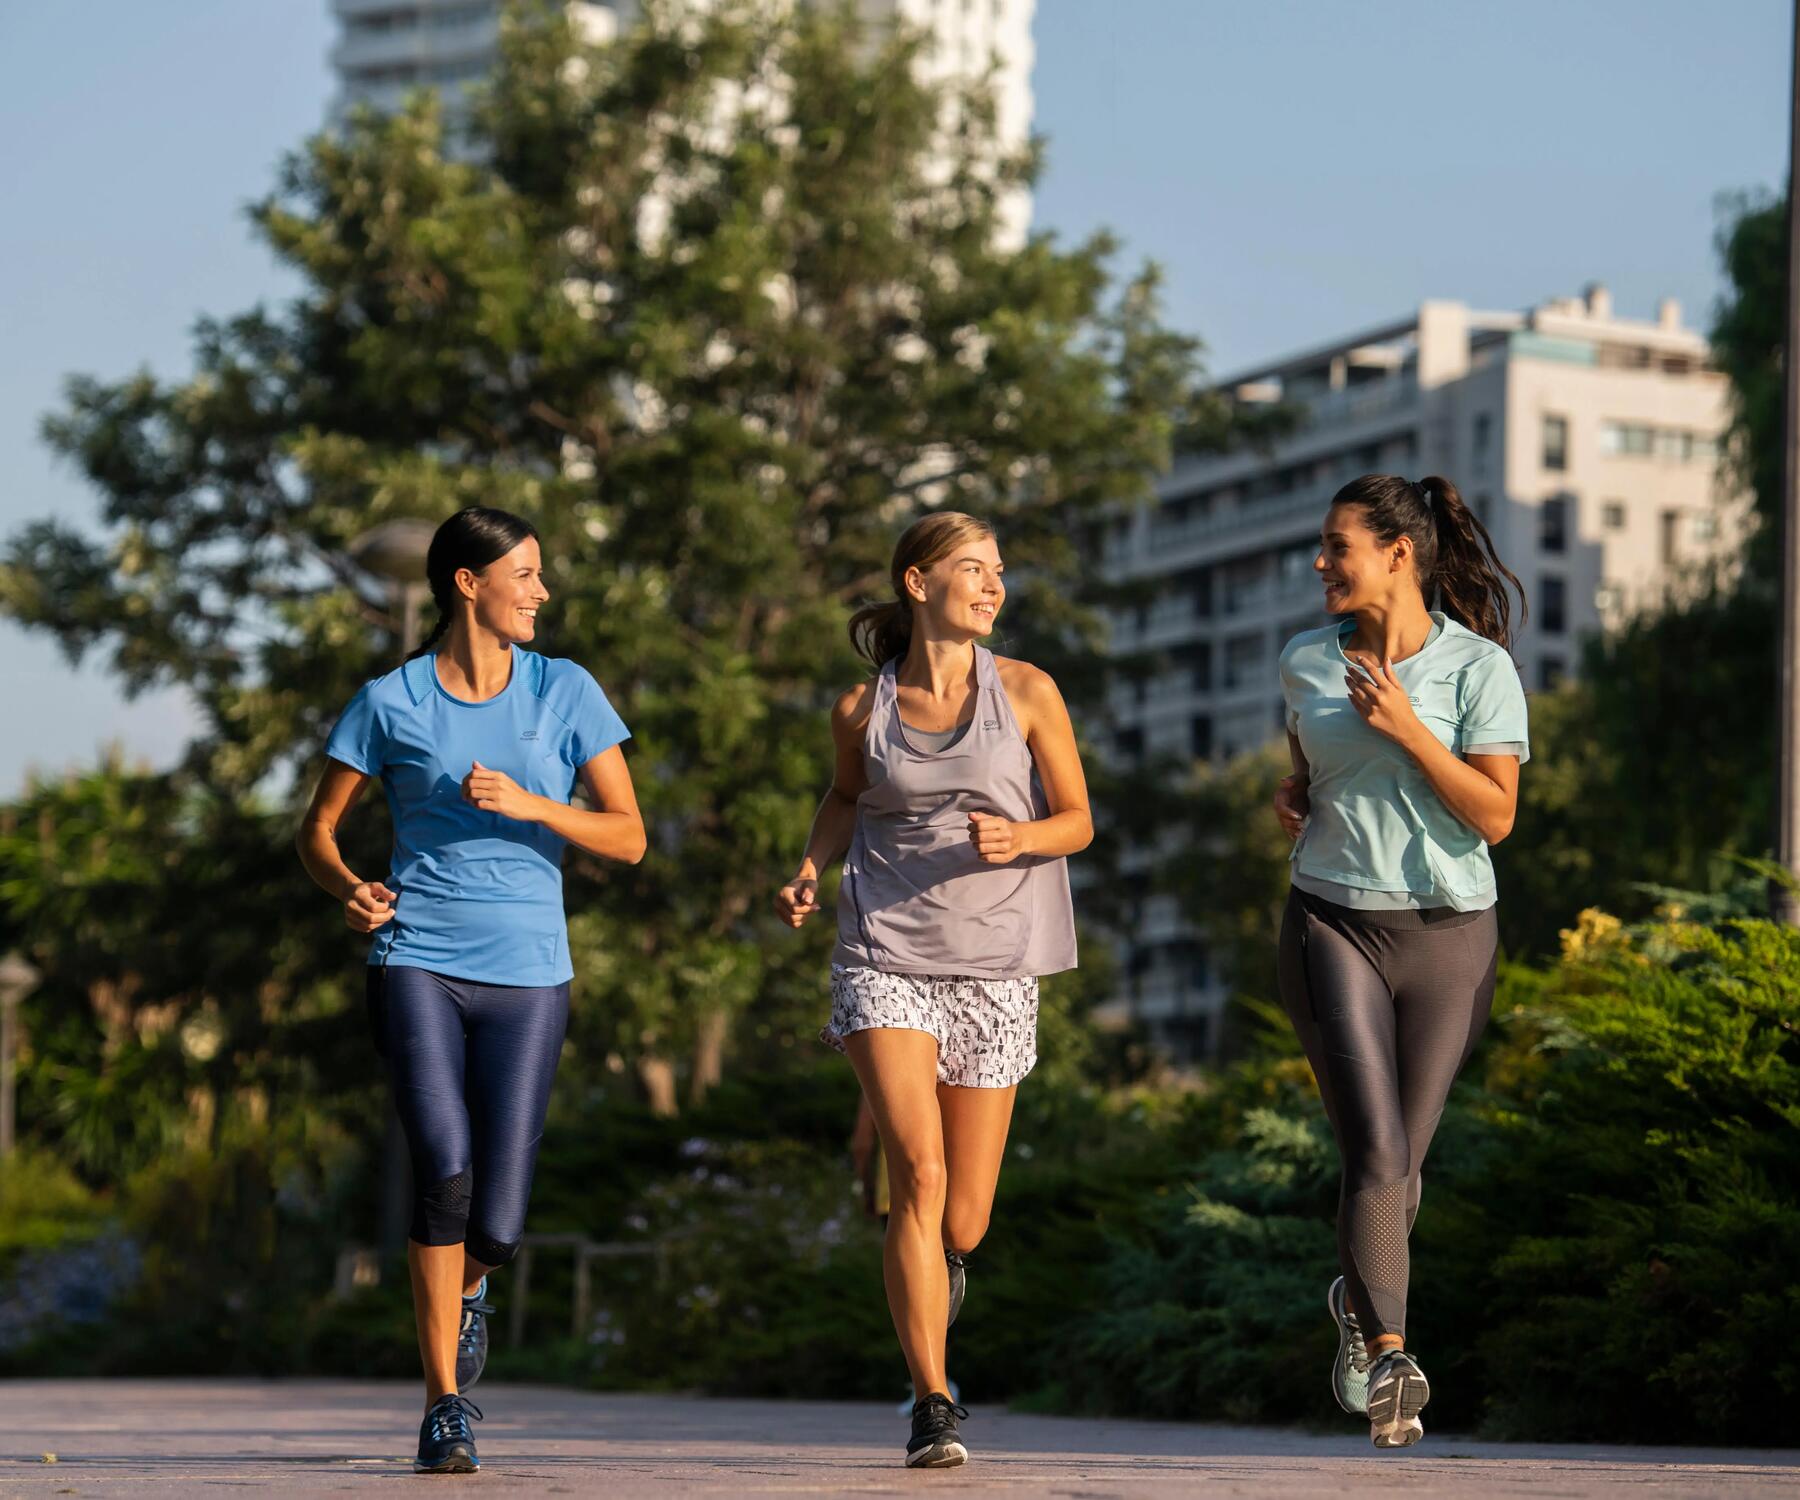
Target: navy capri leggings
(470, 1065)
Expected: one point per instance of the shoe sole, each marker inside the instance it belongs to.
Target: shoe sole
(457, 1463)
(1394, 1412)
(938, 1456)
(1335, 1305)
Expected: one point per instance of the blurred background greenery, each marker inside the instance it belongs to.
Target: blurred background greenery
(719, 429)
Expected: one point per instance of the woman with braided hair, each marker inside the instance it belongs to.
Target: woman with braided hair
(1407, 727)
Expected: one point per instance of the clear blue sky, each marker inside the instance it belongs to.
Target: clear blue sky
(1300, 169)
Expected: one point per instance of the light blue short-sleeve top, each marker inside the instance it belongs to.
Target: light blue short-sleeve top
(1377, 836)
(479, 895)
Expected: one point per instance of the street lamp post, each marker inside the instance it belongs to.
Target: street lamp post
(17, 980)
(395, 552)
(1785, 905)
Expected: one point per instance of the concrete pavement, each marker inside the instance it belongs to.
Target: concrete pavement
(191, 1437)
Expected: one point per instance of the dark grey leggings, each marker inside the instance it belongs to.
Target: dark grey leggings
(1388, 1005)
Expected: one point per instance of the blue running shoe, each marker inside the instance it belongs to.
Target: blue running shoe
(472, 1337)
(446, 1446)
(959, 1276)
(1397, 1394)
(1350, 1370)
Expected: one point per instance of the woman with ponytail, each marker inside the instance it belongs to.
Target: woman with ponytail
(479, 744)
(957, 797)
(1406, 726)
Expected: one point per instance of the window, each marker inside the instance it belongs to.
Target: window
(1553, 605)
(1671, 537)
(1200, 737)
(1609, 597)
(1553, 523)
(1556, 442)
(1482, 442)
(1243, 659)
(1627, 439)
(1130, 746)
(1612, 515)
(1704, 526)
(1550, 673)
(1295, 564)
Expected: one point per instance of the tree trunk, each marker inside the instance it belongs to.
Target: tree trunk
(709, 1054)
(657, 1074)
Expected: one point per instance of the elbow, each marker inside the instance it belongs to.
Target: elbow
(633, 853)
(1497, 829)
(1084, 834)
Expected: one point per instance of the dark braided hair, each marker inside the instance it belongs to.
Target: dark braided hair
(472, 538)
(1452, 551)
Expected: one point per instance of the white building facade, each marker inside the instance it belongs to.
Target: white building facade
(388, 48)
(1587, 443)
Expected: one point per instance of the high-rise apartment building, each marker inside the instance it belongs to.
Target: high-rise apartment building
(390, 47)
(1587, 443)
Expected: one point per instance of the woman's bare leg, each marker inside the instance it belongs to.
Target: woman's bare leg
(898, 1072)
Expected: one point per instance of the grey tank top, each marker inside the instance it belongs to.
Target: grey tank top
(916, 899)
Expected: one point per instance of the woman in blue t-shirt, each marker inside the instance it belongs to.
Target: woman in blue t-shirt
(478, 744)
(1406, 726)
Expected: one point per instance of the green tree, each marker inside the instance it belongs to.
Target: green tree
(720, 307)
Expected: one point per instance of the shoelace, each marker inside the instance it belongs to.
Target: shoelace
(450, 1418)
(1358, 1351)
(472, 1308)
(935, 1413)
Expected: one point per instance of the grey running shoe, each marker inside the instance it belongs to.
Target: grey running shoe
(1350, 1370)
(472, 1337)
(958, 1281)
(936, 1442)
(1397, 1394)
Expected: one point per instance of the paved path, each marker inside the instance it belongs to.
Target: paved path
(194, 1437)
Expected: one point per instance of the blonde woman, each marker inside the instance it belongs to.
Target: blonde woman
(957, 797)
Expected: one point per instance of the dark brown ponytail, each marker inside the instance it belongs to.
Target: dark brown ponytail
(881, 632)
(1454, 556)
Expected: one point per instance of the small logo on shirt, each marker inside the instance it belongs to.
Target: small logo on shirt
(531, 734)
(990, 723)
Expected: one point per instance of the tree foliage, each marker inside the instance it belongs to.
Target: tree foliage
(719, 307)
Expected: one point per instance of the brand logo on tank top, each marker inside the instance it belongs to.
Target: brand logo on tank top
(529, 734)
(990, 723)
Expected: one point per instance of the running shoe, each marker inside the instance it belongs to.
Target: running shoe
(472, 1337)
(958, 1264)
(446, 1446)
(936, 1443)
(1397, 1394)
(1350, 1370)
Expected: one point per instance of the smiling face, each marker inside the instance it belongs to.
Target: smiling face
(962, 592)
(1358, 569)
(507, 592)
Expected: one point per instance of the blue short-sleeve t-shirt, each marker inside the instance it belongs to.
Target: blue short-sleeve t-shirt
(1377, 835)
(479, 895)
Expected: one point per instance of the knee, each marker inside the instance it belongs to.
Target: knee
(964, 1227)
(918, 1180)
(488, 1251)
(441, 1212)
(1385, 1157)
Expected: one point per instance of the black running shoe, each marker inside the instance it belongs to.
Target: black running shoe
(472, 1337)
(446, 1446)
(936, 1443)
(1397, 1394)
(958, 1264)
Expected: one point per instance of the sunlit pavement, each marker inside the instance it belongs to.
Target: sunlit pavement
(193, 1437)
